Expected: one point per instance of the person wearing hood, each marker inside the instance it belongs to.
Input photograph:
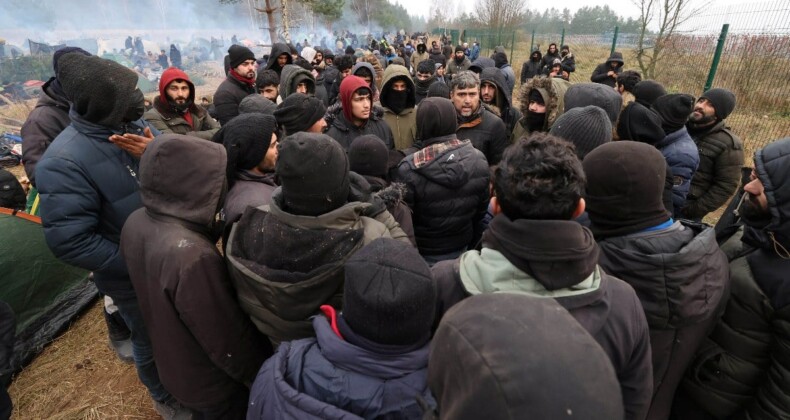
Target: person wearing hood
(494, 94)
(542, 102)
(531, 67)
(175, 110)
(368, 361)
(286, 258)
(606, 73)
(279, 57)
(534, 247)
(447, 184)
(436, 55)
(506, 356)
(482, 127)
(500, 61)
(481, 63)
(440, 74)
(568, 61)
(580, 95)
(677, 147)
(424, 77)
(676, 267)
(356, 115)
(398, 100)
(368, 73)
(88, 186)
(552, 53)
(419, 56)
(239, 83)
(206, 349)
(742, 369)
(459, 62)
(175, 56)
(295, 79)
(556, 70)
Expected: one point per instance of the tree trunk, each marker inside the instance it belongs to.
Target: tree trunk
(271, 22)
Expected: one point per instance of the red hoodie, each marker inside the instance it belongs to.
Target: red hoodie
(174, 73)
(348, 86)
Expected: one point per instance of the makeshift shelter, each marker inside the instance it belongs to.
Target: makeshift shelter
(45, 294)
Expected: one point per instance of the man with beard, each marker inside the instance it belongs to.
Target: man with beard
(459, 63)
(741, 371)
(239, 83)
(606, 73)
(720, 152)
(268, 84)
(531, 67)
(175, 110)
(397, 99)
(494, 93)
(279, 57)
(485, 130)
(343, 66)
(551, 55)
(425, 76)
(436, 54)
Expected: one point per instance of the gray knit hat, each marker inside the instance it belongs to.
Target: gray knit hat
(587, 128)
(602, 96)
(723, 101)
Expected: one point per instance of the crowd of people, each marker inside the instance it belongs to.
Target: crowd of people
(399, 239)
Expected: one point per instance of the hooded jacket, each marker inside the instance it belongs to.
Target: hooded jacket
(682, 159)
(682, 280)
(205, 347)
(507, 113)
(419, 56)
(552, 89)
(374, 74)
(285, 266)
(403, 124)
(339, 118)
(45, 122)
(278, 49)
(303, 374)
(560, 259)
(290, 76)
(166, 119)
(599, 75)
(743, 368)
(531, 68)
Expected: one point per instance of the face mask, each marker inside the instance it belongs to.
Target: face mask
(535, 58)
(564, 53)
(136, 107)
(397, 100)
(535, 121)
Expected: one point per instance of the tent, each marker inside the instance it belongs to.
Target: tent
(45, 294)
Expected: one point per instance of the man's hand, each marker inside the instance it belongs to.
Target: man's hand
(132, 143)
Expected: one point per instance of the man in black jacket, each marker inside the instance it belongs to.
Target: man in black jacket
(531, 67)
(606, 73)
(485, 130)
(239, 83)
(534, 247)
(495, 94)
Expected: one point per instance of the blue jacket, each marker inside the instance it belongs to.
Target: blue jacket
(682, 158)
(329, 378)
(88, 187)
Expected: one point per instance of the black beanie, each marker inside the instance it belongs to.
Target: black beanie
(389, 295)
(349, 50)
(256, 103)
(583, 94)
(368, 156)
(100, 90)
(298, 112)
(723, 101)
(587, 128)
(239, 54)
(246, 138)
(641, 124)
(674, 110)
(459, 48)
(647, 91)
(426, 66)
(59, 53)
(625, 185)
(438, 90)
(436, 117)
(313, 171)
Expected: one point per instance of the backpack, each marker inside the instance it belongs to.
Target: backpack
(12, 195)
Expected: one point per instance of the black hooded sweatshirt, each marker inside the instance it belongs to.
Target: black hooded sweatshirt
(509, 114)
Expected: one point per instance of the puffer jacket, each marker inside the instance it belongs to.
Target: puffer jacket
(228, 97)
(45, 122)
(403, 124)
(719, 172)
(285, 266)
(553, 91)
(447, 185)
(507, 112)
(682, 280)
(743, 370)
(327, 377)
(682, 159)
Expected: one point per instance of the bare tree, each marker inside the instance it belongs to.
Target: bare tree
(499, 13)
(668, 16)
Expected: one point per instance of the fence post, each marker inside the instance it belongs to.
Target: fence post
(562, 40)
(532, 42)
(614, 40)
(512, 44)
(716, 57)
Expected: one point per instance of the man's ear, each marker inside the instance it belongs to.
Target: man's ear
(580, 207)
(494, 205)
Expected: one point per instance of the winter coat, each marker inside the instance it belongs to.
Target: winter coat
(599, 75)
(392, 195)
(719, 172)
(249, 190)
(404, 124)
(287, 78)
(88, 187)
(682, 280)
(418, 58)
(530, 69)
(166, 120)
(205, 347)
(344, 132)
(285, 266)
(548, 59)
(553, 91)
(228, 97)
(327, 377)
(45, 122)
(683, 159)
(278, 49)
(437, 56)
(507, 112)
(562, 256)
(742, 370)
(453, 67)
(331, 75)
(568, 63)
(447, 185)
(320, 89)
(487, 133)
(510, 77)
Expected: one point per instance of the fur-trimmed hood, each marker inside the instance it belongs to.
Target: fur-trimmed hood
(553, 91)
